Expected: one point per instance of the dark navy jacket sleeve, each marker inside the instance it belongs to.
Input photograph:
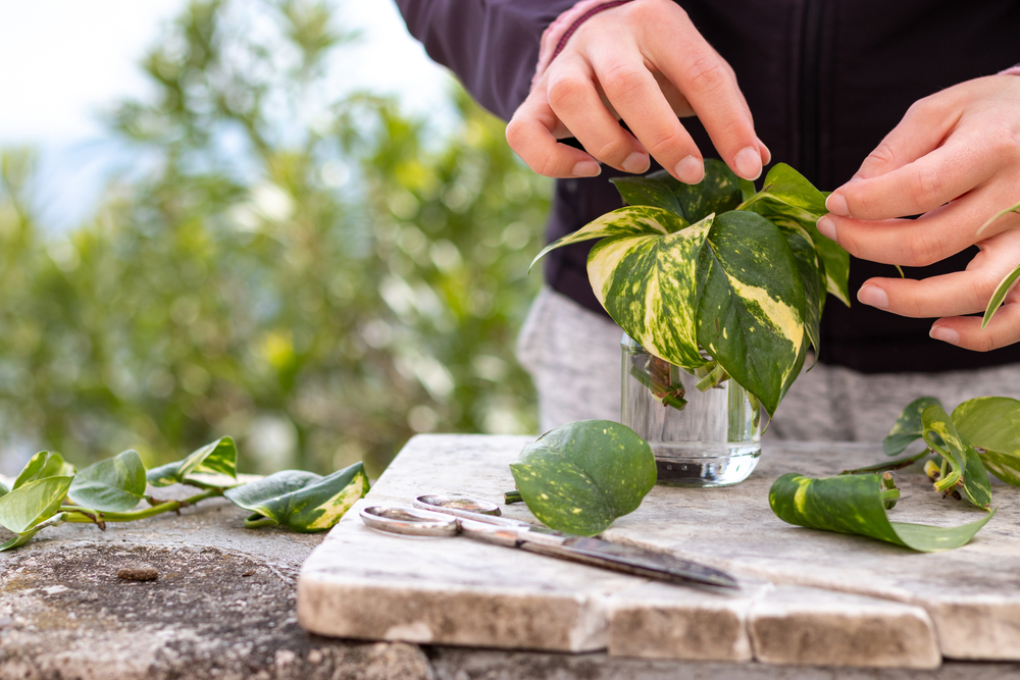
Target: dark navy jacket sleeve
(491, 45)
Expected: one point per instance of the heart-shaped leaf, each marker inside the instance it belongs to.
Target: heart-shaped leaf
(649, 286)
(218, 457)
(993, 425)
(750, 310)
(302, 501)
(637, 221)
(44, 464)
(33, 502)
(964, 462)
(720, 191)
(909, 427)
(580, 477)
(113, 485)
(855, 504)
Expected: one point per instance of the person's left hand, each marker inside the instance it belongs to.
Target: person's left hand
(955, 160)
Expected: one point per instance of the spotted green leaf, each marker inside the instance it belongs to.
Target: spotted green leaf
(634, 221)
(786, 193)
(855, 504)
(812, 275)
(942, 437)
(720, 191)
(580, 477)
(993, 425)
(301, 501)
(648, 285)
(999, 295)
(218, 457)
(41, 465)
(750, 309)
(32, 502)
(112, 485)
(909, 427)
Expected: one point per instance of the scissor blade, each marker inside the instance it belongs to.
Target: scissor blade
(638, 561)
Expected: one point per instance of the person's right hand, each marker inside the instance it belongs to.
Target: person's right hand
(645, 63)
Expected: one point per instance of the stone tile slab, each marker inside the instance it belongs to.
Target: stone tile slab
(809, 597)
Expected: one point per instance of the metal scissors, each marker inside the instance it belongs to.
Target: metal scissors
(448, 515)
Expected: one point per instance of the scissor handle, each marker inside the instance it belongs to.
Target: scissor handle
(466, 508)
(415, 522)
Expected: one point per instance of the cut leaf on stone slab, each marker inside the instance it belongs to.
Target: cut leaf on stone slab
(112, 485)
(855, 504)
(218, 457)
(41, 465)
(33, 502)
(580, 477)
(965, 465)
(992, 424)
(302, 501)
(909, 427)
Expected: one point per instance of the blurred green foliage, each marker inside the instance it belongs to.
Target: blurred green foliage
(320, 279)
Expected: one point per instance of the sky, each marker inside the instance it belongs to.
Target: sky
(62, 62)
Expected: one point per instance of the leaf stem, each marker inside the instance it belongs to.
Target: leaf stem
(892, 465)
(166, 506)
(22, 539)
(511, 497)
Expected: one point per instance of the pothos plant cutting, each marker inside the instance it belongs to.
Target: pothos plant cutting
(982, 435)
(715, 278)
(50, 491)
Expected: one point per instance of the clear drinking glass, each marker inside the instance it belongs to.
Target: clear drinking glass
(710, 438)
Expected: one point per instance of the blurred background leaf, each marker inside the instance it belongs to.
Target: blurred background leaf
(320, 286)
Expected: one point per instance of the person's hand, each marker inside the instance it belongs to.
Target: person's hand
(955, 160)
(645, 63)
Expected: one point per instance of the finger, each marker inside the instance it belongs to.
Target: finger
(965, 292)
(706, 81)
(966, 331)
(530, 134)
(923, 128)
(917, 187)
(932, 237)
(637, 97)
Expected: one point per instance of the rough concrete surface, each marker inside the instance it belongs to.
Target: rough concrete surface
(210, 613)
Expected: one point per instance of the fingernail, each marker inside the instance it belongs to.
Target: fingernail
(690, 170)
(748, 163)
(587, 169)
(768, 154)
(636, 163)
(945, 334)
(827, 227)
(836, 204)
(873, 296)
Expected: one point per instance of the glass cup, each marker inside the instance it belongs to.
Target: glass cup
(699, 438)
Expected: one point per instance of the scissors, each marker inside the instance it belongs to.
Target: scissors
(449, 515)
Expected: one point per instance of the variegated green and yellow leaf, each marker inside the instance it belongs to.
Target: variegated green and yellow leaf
(854, 504)
(630, 221)
(649, 286)
(909, 426)
(720, 191)
(999, 295)
(812, 275)
(964, 462)
(993, 425)
(218, 457)
(786, 193)
(42, 465)
(750, 310)
(301, 501)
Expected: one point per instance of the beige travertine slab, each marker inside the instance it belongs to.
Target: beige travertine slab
(361, 583)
